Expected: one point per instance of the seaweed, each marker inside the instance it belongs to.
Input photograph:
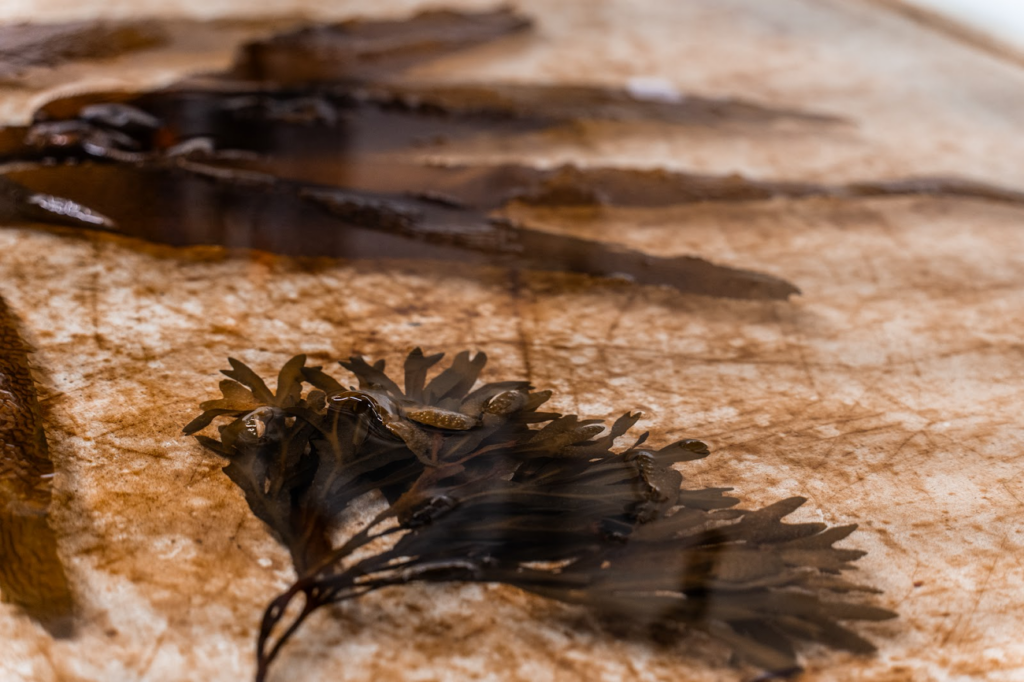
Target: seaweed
(24, 46)
(312, 144)
(361, 49)
(308, 145)
(479, 483)
(197, 205)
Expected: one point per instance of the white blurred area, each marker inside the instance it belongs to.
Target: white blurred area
(1000, 19)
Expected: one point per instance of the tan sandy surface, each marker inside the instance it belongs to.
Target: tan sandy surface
(888, 394)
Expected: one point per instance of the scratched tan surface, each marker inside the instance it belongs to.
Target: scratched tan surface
(888, 394)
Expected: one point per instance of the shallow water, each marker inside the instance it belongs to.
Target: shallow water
(870, 386)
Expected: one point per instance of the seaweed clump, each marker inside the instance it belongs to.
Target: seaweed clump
(481, 485)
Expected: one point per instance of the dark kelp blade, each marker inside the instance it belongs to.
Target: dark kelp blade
(241, 373)
(289, 382)
(19, 204)
(565, 103)
(363, 48)
(365, 163)
(335, 138)
(761, 655)
(416, 367)
(455, 382)
(371, 376)
(179, 207)
(23, 46)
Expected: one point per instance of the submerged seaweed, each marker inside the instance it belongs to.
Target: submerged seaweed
(309, 146)
(312, 145)
(481, 485)
(24, 46)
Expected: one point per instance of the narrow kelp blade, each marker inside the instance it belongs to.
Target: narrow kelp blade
(179, 206)
(31, 572)
(363, 48)
(285, 120)
(19, 204)
(565, 103)
(362, 141)
(24, 46)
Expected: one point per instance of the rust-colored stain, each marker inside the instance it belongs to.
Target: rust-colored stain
(887, 393)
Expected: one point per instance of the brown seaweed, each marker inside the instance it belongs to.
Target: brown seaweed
(183, 205)
(567, 102)
(310, 145)
(31, 573)
(196, 139)
(482, 486)
(23, 46)
(326, 162)
(361, 48)
(374, 53)
(208, 168)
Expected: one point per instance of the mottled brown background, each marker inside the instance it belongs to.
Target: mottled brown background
(888, 394)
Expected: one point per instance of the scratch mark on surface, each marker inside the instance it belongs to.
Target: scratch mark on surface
(147, 664)
(964, 620)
